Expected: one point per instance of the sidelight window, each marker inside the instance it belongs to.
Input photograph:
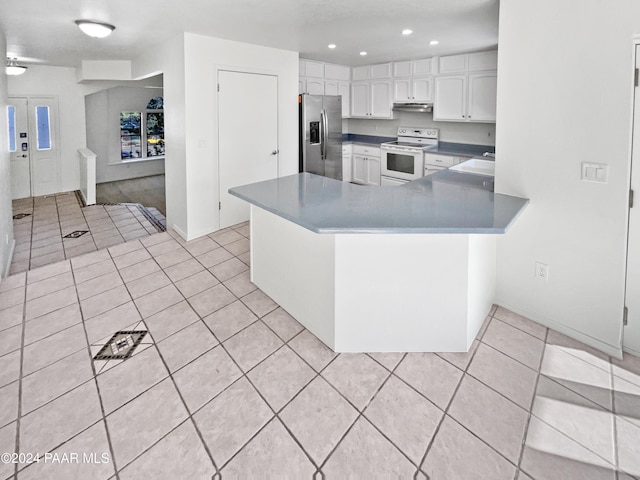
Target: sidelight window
(43, 132)
(11, 113)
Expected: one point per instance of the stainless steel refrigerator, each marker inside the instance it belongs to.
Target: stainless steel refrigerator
(321, 135)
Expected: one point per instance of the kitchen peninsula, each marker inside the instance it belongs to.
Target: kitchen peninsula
(380, 269)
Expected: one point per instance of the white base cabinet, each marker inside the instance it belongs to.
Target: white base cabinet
(366, 165)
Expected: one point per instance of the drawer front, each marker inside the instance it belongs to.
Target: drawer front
(346, 149)
(366, 150)
(440, 160)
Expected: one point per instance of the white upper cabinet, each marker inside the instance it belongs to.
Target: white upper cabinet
(315, 86)
(483, 61)
(482, 97)
(413, 67)
(413, 89)
(371, 99)
(382, 70)
(469, 62)
(337, 72)
(424, 67)
(335, 87)
(466, 98)
(450, 98)
(361, 73)
(314, 69)
(453, 64)
(402, 69)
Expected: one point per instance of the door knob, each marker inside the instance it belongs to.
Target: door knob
(275, 152)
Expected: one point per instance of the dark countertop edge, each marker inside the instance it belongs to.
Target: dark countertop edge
(366, 139)
(444, 148)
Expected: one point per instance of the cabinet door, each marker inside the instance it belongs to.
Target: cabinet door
(315, 86)
(344, 89)
(423, 67)
(314, 69)
(359, 169)
(336, 72)
(373, 171)
(483, 61)
(360, 99)
(482, 97)
(381, 99)
(422, 89)
(361, 73)
(402, 69)
(450, 98)
(346, 168)
(330, 87)
(302, 85)
(382, 70)
(402, 90)
(453, 63)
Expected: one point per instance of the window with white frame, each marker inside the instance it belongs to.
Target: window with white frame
(142, 133)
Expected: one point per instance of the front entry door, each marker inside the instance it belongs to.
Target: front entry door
(33, 142)
(19, 148)
(247, 137)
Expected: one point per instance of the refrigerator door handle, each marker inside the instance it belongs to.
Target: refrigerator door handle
(323, 129)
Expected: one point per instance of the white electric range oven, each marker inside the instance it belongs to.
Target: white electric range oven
(403, 160)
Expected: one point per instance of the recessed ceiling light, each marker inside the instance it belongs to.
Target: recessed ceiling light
(332, 46)
(95, 29)
(407, 31)
(13, 68)
(363, 53)
(434, 42)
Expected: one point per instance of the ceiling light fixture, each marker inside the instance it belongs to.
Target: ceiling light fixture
(332, 46)
(434, 42)
(407, 31)
(363, 53)
(95, 29)
(13, 68)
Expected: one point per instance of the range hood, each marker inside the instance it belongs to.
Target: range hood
(422, 107)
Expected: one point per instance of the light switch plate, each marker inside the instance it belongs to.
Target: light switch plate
(595, 172)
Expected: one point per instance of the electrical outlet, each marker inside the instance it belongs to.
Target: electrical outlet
(542, 271)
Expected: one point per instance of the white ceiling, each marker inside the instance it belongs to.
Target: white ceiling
(43, 32)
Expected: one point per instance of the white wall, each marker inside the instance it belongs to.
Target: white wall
(168, 59)
(190, 65)
(458, 132)
(6, 221)
(565, 97)
(103, 132)
(60, 81)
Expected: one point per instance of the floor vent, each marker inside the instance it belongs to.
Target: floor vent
(121, 345)
(21, 215)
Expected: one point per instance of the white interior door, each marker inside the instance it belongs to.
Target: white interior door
(247, 137)
(631, 337)
(35, 163)
(19, 147)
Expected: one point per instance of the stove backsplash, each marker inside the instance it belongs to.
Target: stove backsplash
(457, 132)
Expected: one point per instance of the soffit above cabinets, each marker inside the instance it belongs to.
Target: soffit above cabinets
(304, 26)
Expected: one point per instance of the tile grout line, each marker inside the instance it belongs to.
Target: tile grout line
(95, 379)
(175, 385)
(19, 412)
(529, 413)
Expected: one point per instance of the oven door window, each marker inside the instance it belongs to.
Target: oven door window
(397, 162)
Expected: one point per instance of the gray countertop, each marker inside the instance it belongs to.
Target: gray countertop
(447, 202)
(443, 148)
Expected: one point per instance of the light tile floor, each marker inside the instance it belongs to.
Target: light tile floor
(226, 384)
(40, 225)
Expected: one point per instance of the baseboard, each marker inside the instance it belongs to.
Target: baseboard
(611, 350)
(179, 232)
(631, 351)
(7, 268)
